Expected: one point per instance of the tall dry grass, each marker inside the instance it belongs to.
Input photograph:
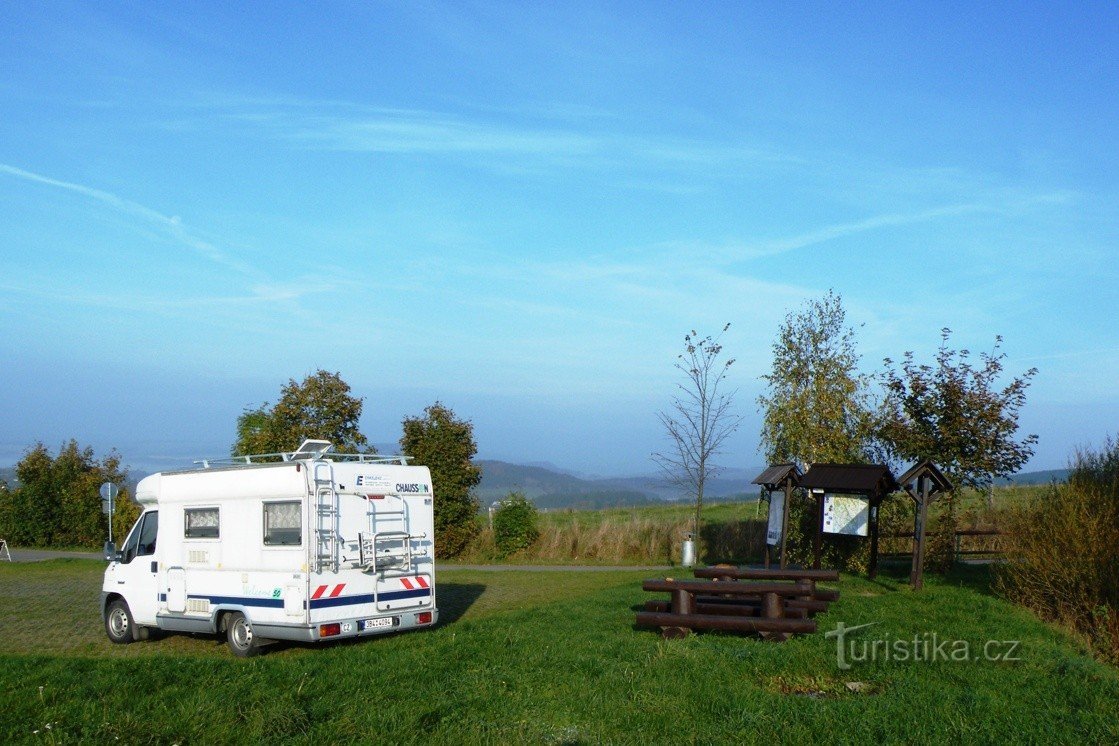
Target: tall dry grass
(621, 537)
(1064, 551)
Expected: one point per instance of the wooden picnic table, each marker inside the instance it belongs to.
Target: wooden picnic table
(683, 612)
(804, 578)
(758, 573)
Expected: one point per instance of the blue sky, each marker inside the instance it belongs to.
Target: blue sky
(521, 209)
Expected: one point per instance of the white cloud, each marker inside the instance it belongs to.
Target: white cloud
(171, 226)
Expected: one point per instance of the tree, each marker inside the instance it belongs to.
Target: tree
(816, 410)
(35, 510)
(700, 418)
(816, 406)
(57, 501)
(446, 446)
(956, 414)
(321, 407)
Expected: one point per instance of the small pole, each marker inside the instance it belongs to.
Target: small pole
(874, 539)
(785, 516)
(817, 544)
(919, 537)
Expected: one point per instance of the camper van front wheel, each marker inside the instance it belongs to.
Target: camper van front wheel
(118, 622)
(239, 633)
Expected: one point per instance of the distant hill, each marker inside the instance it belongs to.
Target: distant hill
(554, 489)
(1037, 477)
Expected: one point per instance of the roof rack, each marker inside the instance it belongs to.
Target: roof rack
(309, 450)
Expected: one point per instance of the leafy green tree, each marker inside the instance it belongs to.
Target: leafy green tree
(961, 417)
(817, 409)
(445, 444)
(36, 511)
(957, 414)
(6, 511)
(321, 407)
(125, 512)
(817, 405)
(700, 418)
(58, 502)
(514, 524)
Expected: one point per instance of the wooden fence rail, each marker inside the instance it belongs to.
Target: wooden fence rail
(959, 549)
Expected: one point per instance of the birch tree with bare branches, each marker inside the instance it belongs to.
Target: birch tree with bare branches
(700, 418)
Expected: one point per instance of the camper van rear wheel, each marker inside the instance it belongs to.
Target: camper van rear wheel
(239, 633)
(118, 622)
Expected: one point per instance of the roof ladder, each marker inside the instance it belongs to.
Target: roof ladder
(326, 519)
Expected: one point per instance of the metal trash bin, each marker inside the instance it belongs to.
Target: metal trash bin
(688, 551)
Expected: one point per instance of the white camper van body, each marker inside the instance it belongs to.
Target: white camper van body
(316, 546)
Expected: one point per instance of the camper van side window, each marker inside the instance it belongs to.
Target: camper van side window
(201, 523)
(283, 524)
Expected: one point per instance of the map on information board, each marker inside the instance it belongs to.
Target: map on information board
(846, 514)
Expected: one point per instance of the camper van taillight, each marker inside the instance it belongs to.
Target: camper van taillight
(424, 617)
(330, 630)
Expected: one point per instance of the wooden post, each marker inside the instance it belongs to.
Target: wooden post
(923, 497)
(873, 573)
(769, 500)
(785, 516)
(818, 541)
(683, 602)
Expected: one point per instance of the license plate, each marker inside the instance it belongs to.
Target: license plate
(377, 623)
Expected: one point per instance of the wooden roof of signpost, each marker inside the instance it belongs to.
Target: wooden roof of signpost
(777, 474)
(868, 479)
(928, 469)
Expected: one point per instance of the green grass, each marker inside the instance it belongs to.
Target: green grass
(546, 657)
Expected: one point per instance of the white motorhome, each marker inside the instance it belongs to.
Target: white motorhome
(310, 545)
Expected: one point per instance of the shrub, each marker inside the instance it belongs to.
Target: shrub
(1064, 548)
(514, 524)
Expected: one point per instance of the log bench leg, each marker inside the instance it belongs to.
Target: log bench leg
(683, 602)
(771, 609)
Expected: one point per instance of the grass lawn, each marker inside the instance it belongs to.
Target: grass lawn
(547, 657)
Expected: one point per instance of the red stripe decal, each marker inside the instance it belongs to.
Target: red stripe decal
(406, 583)
(319, 591)
(422, 582)
(337, 590)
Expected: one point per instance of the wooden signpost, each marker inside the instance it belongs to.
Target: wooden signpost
(924, 483)
(781, 479)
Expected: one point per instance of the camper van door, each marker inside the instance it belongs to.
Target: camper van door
(135, 573)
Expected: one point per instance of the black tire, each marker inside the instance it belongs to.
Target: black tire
(239, 635)
(118, 623)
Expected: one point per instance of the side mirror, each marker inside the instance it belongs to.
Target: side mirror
(111, 554)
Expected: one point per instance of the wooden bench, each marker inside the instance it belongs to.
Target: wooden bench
(772, 618)
(804, 578)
